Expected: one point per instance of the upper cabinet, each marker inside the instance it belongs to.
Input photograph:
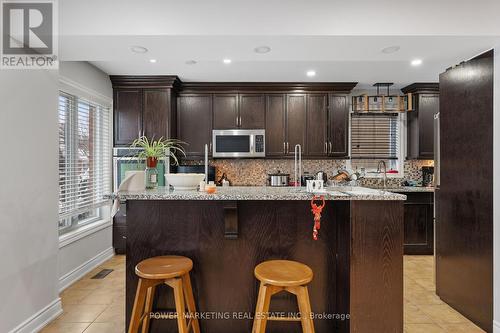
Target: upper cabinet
(127, 105)
(143, 105)
(296, 120)
(252, 111)
(156, 119)
(338, 126)
(317, 125)
(317, 121)
(420, 121)
(194, 117)
(233, 111)
(275, 125)
(314, 115)
(225, 108)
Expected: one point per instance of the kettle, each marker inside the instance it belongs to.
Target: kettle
(321, 175)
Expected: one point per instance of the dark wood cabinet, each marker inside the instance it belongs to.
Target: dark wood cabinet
(252, 110)
(232, 111)
(338, 126)
(317, 125)
(420, 121)
(275, 125)
(194, 116)
(225, 109)
(143, 105)
(127, 115)
(319, 122)
(295, 121)
(156, 118)
(419, 223)
(314, 115)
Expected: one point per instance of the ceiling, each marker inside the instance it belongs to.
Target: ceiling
(341, 41)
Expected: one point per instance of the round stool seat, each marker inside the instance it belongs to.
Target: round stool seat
(163, 267)
(283, 273)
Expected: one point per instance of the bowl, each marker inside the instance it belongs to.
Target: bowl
(184, 181)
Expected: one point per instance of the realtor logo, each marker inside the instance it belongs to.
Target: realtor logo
(28, 38)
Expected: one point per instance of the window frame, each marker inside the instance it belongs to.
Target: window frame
(71, 223)
(370, 172)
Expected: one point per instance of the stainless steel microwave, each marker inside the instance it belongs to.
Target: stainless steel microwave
(239, 143)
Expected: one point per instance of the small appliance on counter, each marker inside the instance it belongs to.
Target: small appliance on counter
(305, 177)
(278, 179)
(321, 175)
(427, 176)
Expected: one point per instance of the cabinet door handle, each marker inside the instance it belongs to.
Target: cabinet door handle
(284, 147)
(210, 147)
(240, 121)
(326, 147)
(331, 148)
(287, 148)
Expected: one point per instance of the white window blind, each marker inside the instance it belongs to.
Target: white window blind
(374, 136)
(84, 158)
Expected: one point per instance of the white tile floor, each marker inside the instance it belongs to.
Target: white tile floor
(98, 306)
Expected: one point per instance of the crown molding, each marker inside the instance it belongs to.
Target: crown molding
(421, 87)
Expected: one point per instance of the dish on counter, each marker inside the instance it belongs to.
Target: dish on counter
(184, 181)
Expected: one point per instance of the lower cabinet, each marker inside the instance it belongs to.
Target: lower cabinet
(120, 231)
(419, 223)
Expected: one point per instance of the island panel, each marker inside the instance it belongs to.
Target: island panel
(223, 279)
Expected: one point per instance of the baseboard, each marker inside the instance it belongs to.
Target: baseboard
(40, 319)
(69, 278)
(496, 326)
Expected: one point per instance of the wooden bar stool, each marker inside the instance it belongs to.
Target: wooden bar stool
(174, 272)
(278, 275)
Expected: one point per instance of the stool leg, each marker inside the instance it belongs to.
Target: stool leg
(176, 284)
(137, 310)
(147, 310)
(262, 309)
(305, 309)
(188, 294)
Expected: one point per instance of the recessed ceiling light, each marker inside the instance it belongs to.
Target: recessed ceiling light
(152, 61)
(416, 62)
(391, 49)
(191, 62)
(262, 49)
(311, 73)
(226, 61)
(138, 49)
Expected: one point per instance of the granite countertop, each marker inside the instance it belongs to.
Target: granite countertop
(407, 189)
(260, 193)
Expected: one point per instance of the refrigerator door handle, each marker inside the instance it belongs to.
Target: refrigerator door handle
(437, 152)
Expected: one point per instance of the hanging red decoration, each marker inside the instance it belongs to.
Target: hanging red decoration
(316, 210)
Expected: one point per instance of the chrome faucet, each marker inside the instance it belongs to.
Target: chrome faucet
(297, 156)
(382, 162)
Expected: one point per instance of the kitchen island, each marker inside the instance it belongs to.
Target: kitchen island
(357, 260)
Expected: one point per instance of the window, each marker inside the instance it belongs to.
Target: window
(376, 137)
(84, 161)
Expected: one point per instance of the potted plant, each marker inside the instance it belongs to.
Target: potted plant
(151, 150)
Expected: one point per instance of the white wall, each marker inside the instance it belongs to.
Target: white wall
(28, 198)
(86, 77)
(84, 251)
(496, 195)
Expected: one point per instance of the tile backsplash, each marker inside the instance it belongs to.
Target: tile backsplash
(253, 172)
